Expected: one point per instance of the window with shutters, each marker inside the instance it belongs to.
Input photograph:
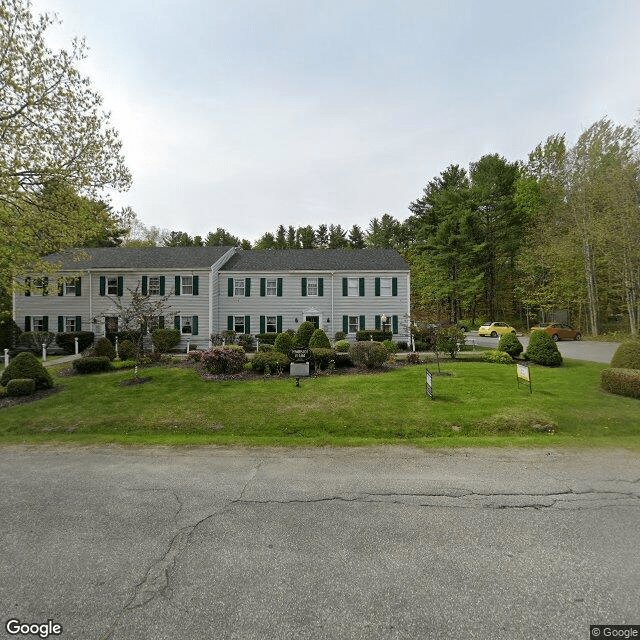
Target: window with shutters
(312, 286)
(112, 286)
(353, 287)
(272, 287)
(271, 324)
(153, 286)
(354, 323)
(186, 286)
(385, 287)
(186, 324)
(238, 324)
(238, 287)
(37, 323)
(70, 324)
(70, 287)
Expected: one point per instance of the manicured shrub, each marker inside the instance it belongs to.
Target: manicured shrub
(104, 348)
(98, 364)
(402, 345)
(283, 342)
(9, 331)
(342, 360)
(275, 361)
(510, 344)
(369, 355)
(497, 356)
(622, 382)
(165, 339)
(627, 355)
(264, 347)
(21, 387)
(319, 340)
(377, 334)
(342, 346)
(340, 335)
(305, 331)
(266, 338)
(543, 350)
(449, 339)
(26, 365)
(66, 340)
(245, 340)
(322, 357)
(391, 346)
(127, 350)
(229, 336)
(220, 360)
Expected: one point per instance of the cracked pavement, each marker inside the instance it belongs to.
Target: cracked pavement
(118, 543)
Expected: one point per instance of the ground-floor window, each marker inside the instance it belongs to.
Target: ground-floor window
(354, 324)
(111, 324)
(271, 324)
(36, 323)
(238, 324)
(70, 324)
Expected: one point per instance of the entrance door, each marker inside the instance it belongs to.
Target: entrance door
(315, 320)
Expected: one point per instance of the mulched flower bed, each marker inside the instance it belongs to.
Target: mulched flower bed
(8, 401)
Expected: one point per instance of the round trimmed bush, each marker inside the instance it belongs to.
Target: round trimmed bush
(275, 360)
(622, 382)
(99, 364)
(543, 350)
(263, 348)
(369, 355)
(497, 356)
(20, 387)
(305, 331)
(26, 365)
(322, 357)
(340, 335)
(66, 340)
(391, 346)
(319, 340)
(627, 356)
(510, 344)
(224, 359)
(165, 339)
(127, 350)
(283, 343)
(342, 346)
(105, 348)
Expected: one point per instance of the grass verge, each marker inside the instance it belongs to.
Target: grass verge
(477, 404)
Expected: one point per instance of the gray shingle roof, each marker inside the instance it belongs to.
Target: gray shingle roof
(317, 260)
(140, 257)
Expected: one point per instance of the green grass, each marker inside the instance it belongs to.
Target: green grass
(477, 404)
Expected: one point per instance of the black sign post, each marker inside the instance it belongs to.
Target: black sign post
(300, 359)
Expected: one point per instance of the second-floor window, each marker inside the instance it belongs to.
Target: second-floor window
(153, 286)
(312, 286)
(272, 286)
(112, 286)
(186, 285)
(238, 287)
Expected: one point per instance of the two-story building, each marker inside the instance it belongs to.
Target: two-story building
(212, 289)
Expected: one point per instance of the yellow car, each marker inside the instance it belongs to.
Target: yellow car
(495, 329)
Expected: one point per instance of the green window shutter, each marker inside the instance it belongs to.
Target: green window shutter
(160, 322)
(60, 324)
(230, 323)
(162, 285)
(60, 286)
(45, 287)
(279, 292)
(27, 287)
(144, 285)
(263, 289)
(120, 286)
(78, 323)
(395, 324)
(176, 323)
(394, 286)
(345, 287)
(196, 285)
(247, 324)
(361, 287)
(320, 286)
(27, 323)
(194, 326)
(177, 285)
(230, 287)
(377, 293)
(45, 323)
(247, 288)
(279, 324)
(103, 286)
(262, 324)
(304, 286)
(378, 323)
(361, 323)
(78, 286)
(345, 324)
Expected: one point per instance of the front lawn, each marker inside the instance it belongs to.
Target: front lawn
(478, 403)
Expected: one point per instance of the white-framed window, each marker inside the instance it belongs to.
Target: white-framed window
(271, 324)
(37, 323)
(70, 287)
(272, 287)
(353, 287)
(153, 286)
(312, 286)
(186, 324)
(238, 287)
(41, 286)
(354, 324)
(111, 324)
(70, 324)
(386, 287)
(385, 323)
(186, 285)
(238, 324)
(112, 285)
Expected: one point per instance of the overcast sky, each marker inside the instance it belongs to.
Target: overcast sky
(246, 114)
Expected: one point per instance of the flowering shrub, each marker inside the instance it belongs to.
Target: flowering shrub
(369, 355)
(622, 382)
(223, 360)
(413, 358)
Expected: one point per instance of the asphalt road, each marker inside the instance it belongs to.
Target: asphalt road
(576, 349)
(120, 543)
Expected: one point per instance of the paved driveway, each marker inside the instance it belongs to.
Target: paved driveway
(123, 544)
(578, 350)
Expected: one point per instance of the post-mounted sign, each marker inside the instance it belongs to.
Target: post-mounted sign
(522, 373)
